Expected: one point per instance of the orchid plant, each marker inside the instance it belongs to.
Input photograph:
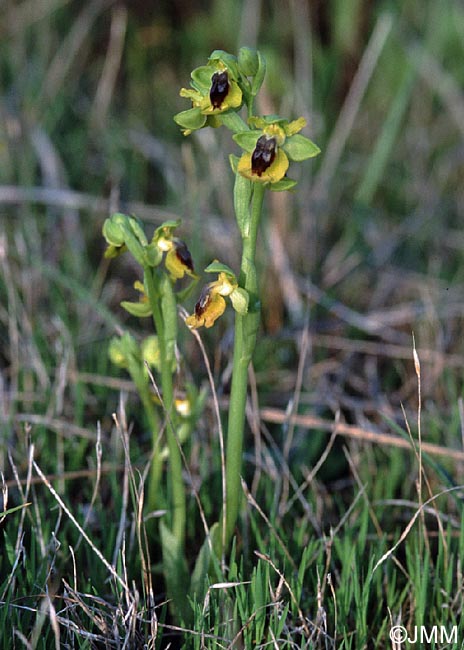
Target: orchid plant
(219, 91)
(222, 93)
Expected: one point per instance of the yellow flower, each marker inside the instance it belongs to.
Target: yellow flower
(214, 91)
(211, 303)
(209, 307)
(269, 146)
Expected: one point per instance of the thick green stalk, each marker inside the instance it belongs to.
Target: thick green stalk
(163, 307)
(246, 328)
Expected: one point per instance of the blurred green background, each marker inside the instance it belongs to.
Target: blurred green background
(368, 250)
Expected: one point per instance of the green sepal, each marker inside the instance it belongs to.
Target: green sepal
(170, 225)
(242, 197)
(191, 119)
(299, 148)
(247, 139)
(166, 229)
(260, 74)
(219, 267)
(229, 60)
(283, 185)
(201, 78)
(138, 309)
(240, 299)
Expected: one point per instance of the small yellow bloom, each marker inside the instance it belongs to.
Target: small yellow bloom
(209, 307)
(211, 303)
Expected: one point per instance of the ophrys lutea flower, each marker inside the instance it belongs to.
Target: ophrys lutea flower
(269, 146)
(211, 303)
(215, 90)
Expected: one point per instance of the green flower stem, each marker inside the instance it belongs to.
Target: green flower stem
(246, 328)
(160, 295)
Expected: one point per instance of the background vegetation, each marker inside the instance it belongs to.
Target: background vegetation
(366, 252)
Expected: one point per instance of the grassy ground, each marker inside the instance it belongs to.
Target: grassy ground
(352, 513)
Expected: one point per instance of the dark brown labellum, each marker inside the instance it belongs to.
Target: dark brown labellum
(203, 302)
(183, 255)
(219, 88)
(263, 155)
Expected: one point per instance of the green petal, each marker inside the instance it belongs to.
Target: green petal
(295, 126)
(218, 267)
(247, 140)
(300, 148)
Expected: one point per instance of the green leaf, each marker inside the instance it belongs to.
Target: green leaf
(219, 267)
(242, 200)
(139, 309)
(204, 564)
(298, 148)
(176, 575)
(284, 184)
(240, 299)
(10, 511)
(247, 140)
